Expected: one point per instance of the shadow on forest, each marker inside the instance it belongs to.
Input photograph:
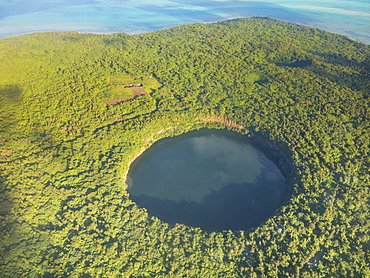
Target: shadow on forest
(297, 64)
(9, 94)
(50, 275)
(4, 203)
(339, 60)
(341, 77)
(5, 206)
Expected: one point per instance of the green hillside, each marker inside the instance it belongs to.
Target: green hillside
(65, 148)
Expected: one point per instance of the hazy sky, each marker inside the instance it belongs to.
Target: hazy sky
(350, 18)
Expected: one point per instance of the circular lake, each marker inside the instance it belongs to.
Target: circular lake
(212, 179)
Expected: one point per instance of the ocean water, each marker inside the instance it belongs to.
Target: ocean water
(351, 18)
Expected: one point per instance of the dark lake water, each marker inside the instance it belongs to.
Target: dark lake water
(212, 179)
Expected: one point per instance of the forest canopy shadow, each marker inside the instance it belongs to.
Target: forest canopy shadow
(358, 81)
(10, 94)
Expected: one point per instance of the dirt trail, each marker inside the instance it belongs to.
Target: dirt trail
(224, 121)
(148, 140)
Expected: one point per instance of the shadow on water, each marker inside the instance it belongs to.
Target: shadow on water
(236, 203)
(234, 207)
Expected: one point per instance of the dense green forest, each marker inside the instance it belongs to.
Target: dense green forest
(65, 148)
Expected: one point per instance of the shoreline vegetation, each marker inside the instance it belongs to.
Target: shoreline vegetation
(300, 92)
(148, 141)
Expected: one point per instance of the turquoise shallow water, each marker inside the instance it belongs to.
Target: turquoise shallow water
(351, 18)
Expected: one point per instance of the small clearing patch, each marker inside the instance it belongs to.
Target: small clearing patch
(121, 89)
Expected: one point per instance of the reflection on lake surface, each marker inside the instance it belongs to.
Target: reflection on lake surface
(211, 179)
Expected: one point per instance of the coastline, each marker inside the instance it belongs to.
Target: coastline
(16, 19)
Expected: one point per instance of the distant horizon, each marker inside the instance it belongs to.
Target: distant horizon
(351, 19)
